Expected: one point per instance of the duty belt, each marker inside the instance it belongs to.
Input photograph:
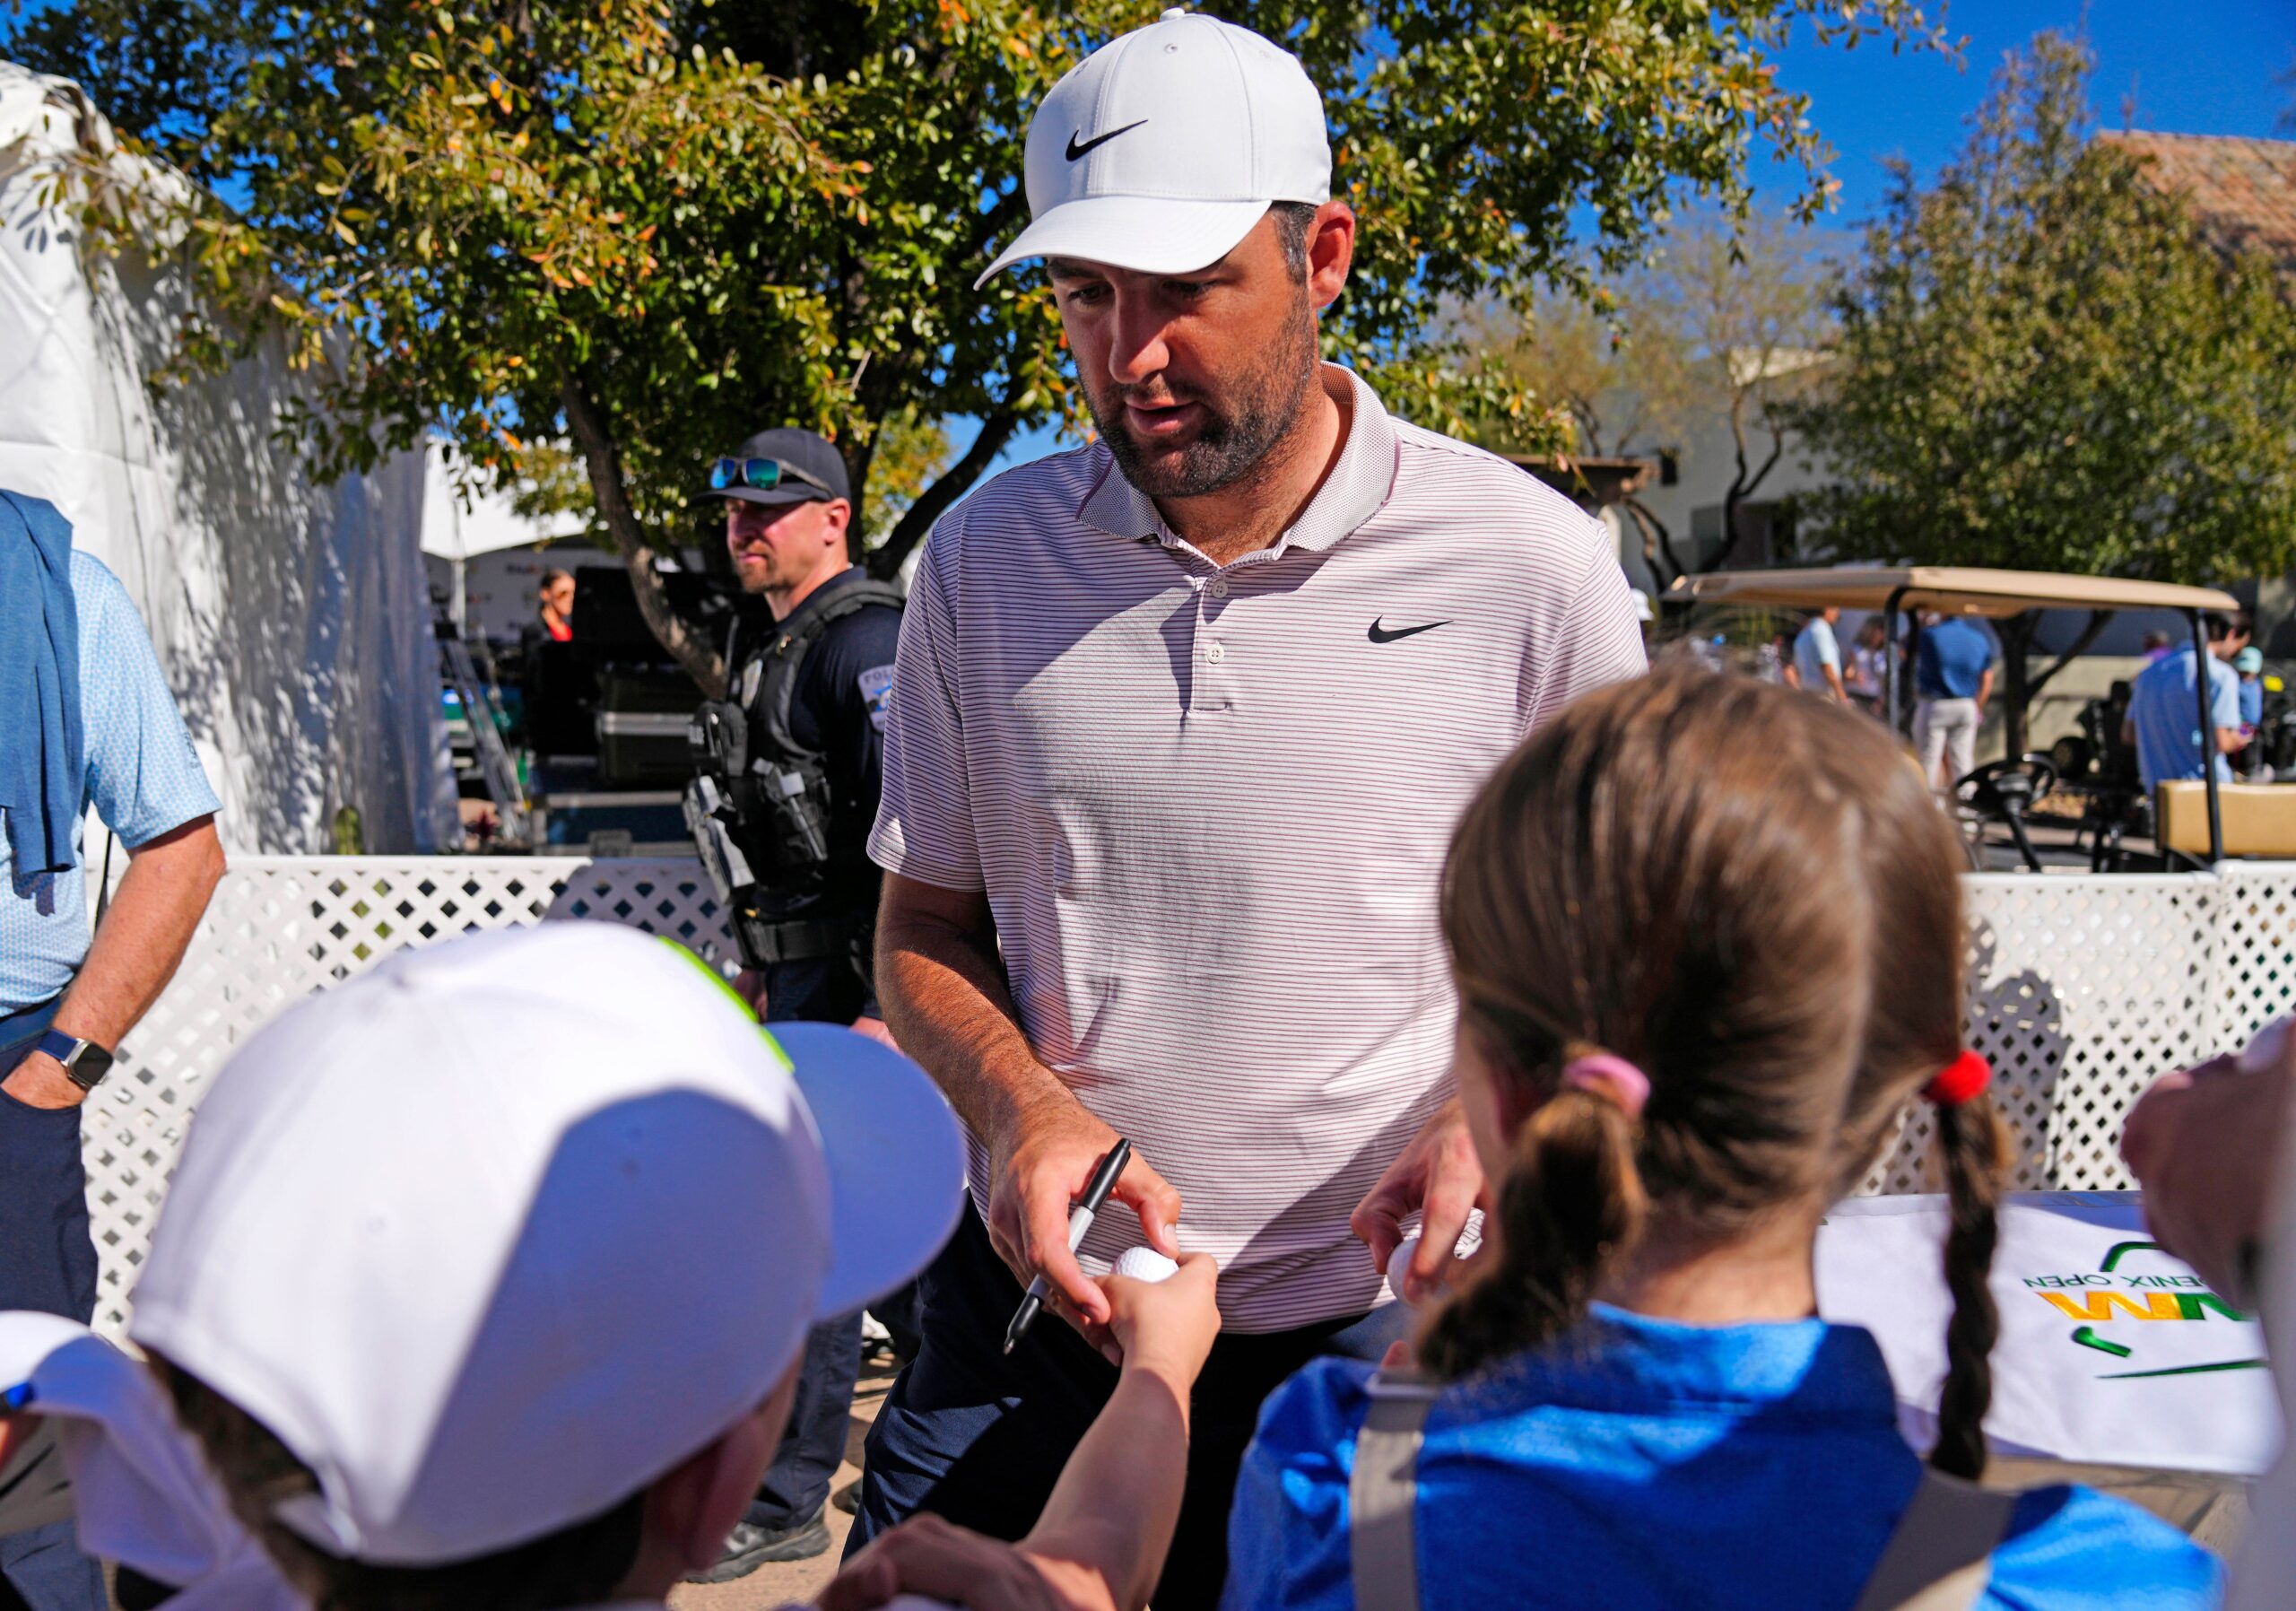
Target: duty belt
(801, 940)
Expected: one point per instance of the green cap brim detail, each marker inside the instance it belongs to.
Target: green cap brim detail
(733, 996)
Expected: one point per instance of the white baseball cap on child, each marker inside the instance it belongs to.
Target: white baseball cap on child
(495, 1236)
(1159, 150)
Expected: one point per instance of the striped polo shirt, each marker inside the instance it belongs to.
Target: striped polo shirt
(1208, 805)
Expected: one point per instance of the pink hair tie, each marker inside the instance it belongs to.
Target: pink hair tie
(1612, 1076)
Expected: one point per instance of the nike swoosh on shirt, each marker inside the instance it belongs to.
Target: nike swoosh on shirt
(1076, 150)
(1381, 634)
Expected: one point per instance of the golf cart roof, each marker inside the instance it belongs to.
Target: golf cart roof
(1950, 589)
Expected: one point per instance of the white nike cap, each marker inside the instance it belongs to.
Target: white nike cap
(493, 1236)
(1159, 150)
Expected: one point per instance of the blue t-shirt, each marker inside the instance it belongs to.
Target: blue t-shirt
(2162, 710)
(144, 778)
(1815, 648)
(1952, 660)
(1639, 1465)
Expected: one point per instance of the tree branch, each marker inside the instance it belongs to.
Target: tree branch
(934, 501)
(1658, 544)
(602, 460)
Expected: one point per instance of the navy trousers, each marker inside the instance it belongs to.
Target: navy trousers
(48, 1262)
(979, 1438)
(823, 990)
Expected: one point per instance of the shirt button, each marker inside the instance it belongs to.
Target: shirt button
(1219, 589)
(1215, 653)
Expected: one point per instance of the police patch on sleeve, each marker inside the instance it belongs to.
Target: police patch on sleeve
(876, 682)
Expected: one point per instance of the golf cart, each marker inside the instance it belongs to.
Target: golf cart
(2004, 792)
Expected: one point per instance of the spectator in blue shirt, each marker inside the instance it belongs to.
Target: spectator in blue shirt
(2163, 709)
(1817, 657)
(1708, 940)
(1952, 678)
(85, 719)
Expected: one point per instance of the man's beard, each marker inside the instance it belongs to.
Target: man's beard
(1240, 426)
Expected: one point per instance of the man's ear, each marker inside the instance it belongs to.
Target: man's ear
(838, 514)
(1331, 248)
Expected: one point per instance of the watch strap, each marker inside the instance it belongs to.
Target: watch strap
(73, 1052)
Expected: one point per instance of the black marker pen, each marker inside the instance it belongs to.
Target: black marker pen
(1080, 1220)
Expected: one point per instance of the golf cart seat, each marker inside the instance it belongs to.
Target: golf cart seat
(2259, 818)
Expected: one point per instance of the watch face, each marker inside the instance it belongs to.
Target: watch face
(88, 1070)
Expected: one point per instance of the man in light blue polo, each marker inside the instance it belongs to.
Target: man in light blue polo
(86, 718)
(2163, 709)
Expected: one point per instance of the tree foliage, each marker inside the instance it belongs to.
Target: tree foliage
(2042, 366)
(649, 227)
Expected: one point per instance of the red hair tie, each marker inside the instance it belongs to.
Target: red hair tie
(1959, 1081)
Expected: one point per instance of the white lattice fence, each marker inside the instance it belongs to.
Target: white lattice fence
(2083, 990)
(281, 928)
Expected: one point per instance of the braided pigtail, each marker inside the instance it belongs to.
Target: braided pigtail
(1572, 1201)
(1974, 1148)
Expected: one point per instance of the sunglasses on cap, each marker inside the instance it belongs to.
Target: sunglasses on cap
(762, 474)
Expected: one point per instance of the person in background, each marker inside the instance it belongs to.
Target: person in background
(557, 605)
(1952, 679)
(1817, 657)
(1867, 659)
(2249, 763)
(808, 677)
(86, 719)
(2164, 708)
(2156, 643)
(1708, 943)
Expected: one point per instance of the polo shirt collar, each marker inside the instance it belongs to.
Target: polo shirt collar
(1356, 489)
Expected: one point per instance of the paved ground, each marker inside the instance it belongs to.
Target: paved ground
(797, 1581)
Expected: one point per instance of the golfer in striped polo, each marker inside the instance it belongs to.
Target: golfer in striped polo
(1180, 726)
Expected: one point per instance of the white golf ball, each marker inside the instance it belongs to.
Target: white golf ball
(1399, 1261)
(1145, 1264)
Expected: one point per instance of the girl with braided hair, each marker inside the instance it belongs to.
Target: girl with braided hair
(1708, 938)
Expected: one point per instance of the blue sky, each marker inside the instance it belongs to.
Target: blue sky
(2199, 67)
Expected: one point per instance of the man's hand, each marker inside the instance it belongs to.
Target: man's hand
(1039, 1166)
(875, 1030)
(1165, 1326)
(40, 1082)
(1439, 1175)
(2204, 1144)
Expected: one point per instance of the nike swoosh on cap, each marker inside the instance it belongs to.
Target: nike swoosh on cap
(1382, 634)
(1076, 151)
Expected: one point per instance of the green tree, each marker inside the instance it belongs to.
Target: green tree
(2041, 366)
(645, 226)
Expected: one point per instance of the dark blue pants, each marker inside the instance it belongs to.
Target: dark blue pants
(824, 991)
(48, 1262)
(978, 1437)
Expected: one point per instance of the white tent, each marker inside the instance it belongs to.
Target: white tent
(292, 619)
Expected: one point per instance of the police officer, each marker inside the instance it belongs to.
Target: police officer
(788, 770)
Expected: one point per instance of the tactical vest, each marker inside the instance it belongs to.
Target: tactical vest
(761, 803)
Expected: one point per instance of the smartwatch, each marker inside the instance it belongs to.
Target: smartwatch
(85, 1061)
